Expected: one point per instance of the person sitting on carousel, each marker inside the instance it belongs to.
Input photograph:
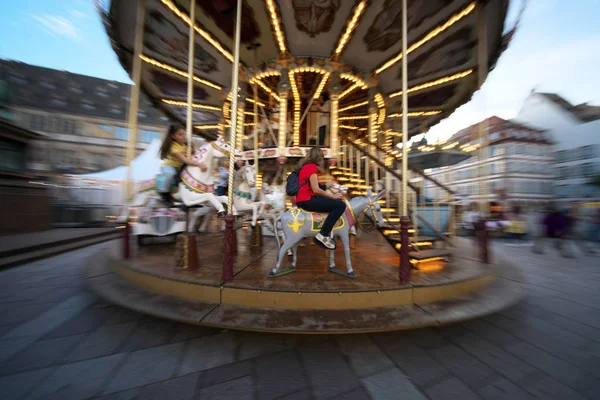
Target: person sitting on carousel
(173, 151)
(312, 197)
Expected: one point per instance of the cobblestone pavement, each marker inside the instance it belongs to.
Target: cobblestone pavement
(59, 341)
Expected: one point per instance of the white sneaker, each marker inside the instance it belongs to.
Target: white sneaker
(324, 241)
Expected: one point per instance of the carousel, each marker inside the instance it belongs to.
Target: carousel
(263, 81)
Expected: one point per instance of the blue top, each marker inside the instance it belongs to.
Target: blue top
(223, 180)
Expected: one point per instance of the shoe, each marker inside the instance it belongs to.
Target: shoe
(324, 241)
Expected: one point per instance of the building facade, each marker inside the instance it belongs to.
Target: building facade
(575, 131)
(81, 120)
(518, 166)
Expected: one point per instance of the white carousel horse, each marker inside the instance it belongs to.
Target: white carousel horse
(298, 224)
(196, 188)
(244, 181)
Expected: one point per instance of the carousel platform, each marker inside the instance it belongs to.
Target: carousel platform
(311, 300)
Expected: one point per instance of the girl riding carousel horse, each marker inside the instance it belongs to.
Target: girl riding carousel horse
(173, 151)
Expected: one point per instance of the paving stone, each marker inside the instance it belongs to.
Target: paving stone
(364, 356)
(391, 384)
(147, 366)
(500, 360)
(41, 354)
(464, 366)
(555, 367)
(77, 380)
(88, 320)
(18, 312)
(10, 347)
(550, 388)
(182, 388)
(236, 389)
(187, 332)
(123, 315)
(490, 333)
(256, 344)
(414, 361)
(503, 389)
(104, 341)
(564, 349)
(449, 389)
(149, 335)
(326, 370)
(304, 394)
(224, 373)
(52, 318)
(208, 352)
(279, 374)
(131, 394)
(16, 386)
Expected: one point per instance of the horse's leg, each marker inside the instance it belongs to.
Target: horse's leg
(295, 253)
(284, 248)
(331, 258)
(346, 243)
(254, 213)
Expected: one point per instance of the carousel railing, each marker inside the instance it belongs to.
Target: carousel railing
(437, 217)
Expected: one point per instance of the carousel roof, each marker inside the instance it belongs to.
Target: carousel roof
(359, 39)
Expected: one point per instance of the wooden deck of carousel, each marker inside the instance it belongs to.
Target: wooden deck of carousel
(311, 300)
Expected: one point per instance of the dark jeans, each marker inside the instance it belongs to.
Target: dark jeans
(322, 133)
(335, 208)
(221, 191)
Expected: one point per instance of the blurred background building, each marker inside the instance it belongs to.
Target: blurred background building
(54, 123)
(81, 120)
(519, 165)
(575, 131)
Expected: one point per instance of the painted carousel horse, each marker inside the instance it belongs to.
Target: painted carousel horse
(196, 188)
(298, 224)
(244, 182)
(338, 188)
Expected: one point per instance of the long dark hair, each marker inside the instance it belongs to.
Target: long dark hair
(168, 141)
(314, 156)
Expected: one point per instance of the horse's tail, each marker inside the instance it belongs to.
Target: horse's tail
(275, 220)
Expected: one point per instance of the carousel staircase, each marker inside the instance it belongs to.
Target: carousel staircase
(426, 252)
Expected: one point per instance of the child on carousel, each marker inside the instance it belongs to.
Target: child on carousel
(173, 151)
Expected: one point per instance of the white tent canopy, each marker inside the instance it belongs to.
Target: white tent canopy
(145, 166)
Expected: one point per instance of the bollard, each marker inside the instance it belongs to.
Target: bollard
(405, 267)
(127, 240)
(483, 236)
(228, 249)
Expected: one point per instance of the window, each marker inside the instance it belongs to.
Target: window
(115, 110)
(17, 79)
(75, 89)
(121, 133)
(101, 92)
(59, 102)
(88, 106)
(47, 85)
(141, 114)
(494, 136)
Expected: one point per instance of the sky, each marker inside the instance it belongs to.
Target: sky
(556, 49)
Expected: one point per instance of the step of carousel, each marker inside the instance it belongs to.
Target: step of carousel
(311, 300)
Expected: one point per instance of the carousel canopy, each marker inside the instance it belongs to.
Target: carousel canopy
(358, 42)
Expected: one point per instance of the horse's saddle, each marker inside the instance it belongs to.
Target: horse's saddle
(318, 219)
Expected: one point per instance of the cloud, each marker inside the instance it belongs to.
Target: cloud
(57, 26)
(78, 14)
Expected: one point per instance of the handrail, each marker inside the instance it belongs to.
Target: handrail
(418, 171)
(379, 162)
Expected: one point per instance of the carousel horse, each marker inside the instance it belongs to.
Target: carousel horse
(298, 224)
(244, 182)
(196, 188)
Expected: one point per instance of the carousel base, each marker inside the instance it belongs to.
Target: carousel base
(310, 300)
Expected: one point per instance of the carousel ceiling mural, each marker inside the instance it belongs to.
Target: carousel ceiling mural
(315, 41)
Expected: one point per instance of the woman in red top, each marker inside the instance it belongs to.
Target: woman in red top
(312, 197)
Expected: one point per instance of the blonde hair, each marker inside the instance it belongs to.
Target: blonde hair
(314, 156)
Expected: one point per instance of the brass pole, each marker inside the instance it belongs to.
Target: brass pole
(234, 106)
(134, 95)
(190, 81)
(404, 112)
(482, 61)
(255, 130)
